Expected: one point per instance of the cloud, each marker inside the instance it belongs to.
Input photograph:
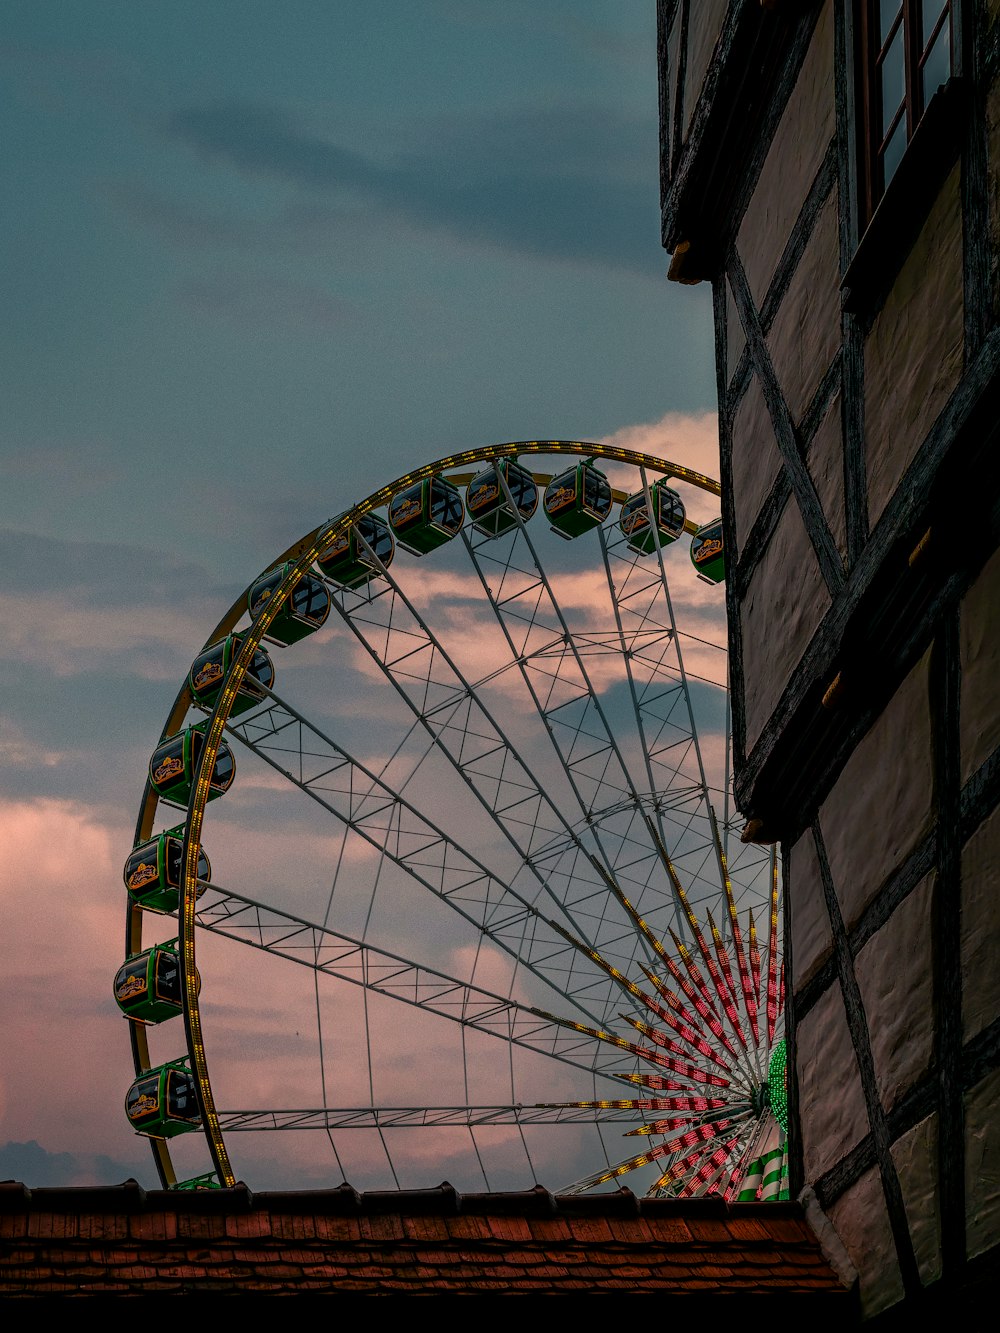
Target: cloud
(18, 750)
(688, 438)
(36, 1167)
(185, 225)
(557, 182)
(68, 638)
(62, 944)
(263, 301)
(105, 573)
(308, 225)
(74, 607)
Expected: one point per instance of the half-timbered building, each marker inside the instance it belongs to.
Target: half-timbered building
(831, 169)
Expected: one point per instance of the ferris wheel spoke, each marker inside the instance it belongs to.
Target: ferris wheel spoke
(393, 826)
(772, 953)
(661, 706)
(713, 1138)
(390, 824)
(398, 637)
(412, 1117)
(282, 934)
(530, 617)
(466, 731)
(566, 702)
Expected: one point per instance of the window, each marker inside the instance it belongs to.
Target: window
(906, 49)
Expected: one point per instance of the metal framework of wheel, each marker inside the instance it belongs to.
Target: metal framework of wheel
(520, 909)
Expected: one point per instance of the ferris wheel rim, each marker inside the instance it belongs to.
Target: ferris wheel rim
(296, 560)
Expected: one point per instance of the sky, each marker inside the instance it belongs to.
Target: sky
(259, 260)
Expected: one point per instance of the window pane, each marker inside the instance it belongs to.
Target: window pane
(888, 12)
(894, 151)
(893, 75)
(937, 67)
(930, 13)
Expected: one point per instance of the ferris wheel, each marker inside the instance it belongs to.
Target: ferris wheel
(470, 865)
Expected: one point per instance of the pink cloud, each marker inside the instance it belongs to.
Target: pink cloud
(64, 1076)
(688, 438)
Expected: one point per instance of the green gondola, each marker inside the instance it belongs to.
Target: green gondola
(163, 1102)
(174, 764)
(305, 609)
(148, 985)
(209, 1181)
(348, 562)
(426, 515)
(708, 552)
(209, 668)
(578, 500)
(153, 871)
(634, 522)
(486, 499)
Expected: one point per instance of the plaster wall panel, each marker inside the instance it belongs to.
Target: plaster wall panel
(805, 335)
(796, 153)
(756, 460)
(825, 461)
(979, 727)
(735, 340)
(894, 973)
(980, 928)
(982, 1164)
(832, 1110)
(785, 602)
(915, 1157)
(882, 804)
(812, 938)
(860, 1219)
(913, 354)
(704, 27)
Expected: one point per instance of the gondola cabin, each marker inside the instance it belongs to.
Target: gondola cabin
(153, 871)
(148, 985)
(209, 1181)
(163, 1102)
(304, 611)
(577, 500)
(487, 501)
(174, 766)
(634, 522)
(426, 515)
(708, 552)
(209, 668)
(349, 559)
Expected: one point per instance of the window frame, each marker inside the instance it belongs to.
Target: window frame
(881, 228)
(874, 138)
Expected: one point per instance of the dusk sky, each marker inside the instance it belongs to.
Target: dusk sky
(259, 260)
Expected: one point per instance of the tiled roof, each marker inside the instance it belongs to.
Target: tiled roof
(122, 1239)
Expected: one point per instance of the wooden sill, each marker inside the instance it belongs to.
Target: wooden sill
(902, 210)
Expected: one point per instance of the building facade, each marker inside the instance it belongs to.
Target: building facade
(831, 168)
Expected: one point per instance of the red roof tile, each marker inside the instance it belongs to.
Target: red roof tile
(124, 1240)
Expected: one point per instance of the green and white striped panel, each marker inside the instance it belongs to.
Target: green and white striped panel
(766, 1178)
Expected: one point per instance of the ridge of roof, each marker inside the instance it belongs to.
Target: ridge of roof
(345, 1200)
